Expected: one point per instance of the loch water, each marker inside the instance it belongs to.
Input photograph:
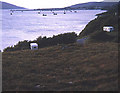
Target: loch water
(28, 25)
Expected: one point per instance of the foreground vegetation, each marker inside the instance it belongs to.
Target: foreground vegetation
(75, 68)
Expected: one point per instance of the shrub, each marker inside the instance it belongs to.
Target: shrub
(65, 38)
(101, 36)
(21, 45)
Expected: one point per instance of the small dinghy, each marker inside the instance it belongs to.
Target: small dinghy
(44, 15)
(75, 11)
(54, 13)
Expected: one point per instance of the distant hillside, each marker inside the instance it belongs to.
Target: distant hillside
(93, 5)
(9, 6)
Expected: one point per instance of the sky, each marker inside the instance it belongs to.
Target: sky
(34, 4)
(111, 0)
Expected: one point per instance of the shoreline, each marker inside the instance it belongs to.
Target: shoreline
(50, 36)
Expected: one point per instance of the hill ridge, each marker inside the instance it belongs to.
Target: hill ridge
(93, 5)
(6, 5)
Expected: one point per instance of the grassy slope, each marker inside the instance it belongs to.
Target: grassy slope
(106, 19)
(97, 24)
(90, 67)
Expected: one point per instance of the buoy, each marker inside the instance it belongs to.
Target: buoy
(64, 12)
(10, 13)
(38, 12)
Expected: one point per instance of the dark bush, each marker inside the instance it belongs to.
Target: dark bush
(101, 36)
(65, 38)
(21, 45)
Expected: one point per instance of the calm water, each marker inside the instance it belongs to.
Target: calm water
(29, 25)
